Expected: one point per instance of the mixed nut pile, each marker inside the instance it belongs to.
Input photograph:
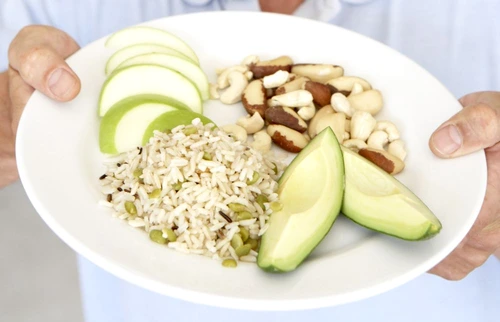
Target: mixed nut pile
(289, 104)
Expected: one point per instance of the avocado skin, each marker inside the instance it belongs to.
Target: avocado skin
(430, 233)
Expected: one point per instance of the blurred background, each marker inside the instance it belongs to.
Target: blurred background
(38, 272)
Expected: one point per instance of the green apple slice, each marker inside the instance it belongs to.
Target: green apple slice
(170, 120)
(149, 35)
(122, 128)
(149, 79)
(131, 51)
(378, 201)
(186, 68)
(311, 190)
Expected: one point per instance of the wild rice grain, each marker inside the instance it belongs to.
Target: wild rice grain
(226, 217)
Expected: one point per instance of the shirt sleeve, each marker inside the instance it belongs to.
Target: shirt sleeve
(6, 37)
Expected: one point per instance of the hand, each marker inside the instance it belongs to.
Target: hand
(280, 6)
(474, 128)
(36, 58)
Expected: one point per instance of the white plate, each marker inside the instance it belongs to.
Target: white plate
(59, 164)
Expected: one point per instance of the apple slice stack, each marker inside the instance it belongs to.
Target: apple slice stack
(154, 82)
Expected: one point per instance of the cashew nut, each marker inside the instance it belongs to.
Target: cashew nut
(355, 144)
(336, 122)
(388, 127)
(249, 75)
(251, 124)
(378, 140)
(219, 70)
(214, 91)
(347, 136)
(307, 112)
(261, 141)
(277, 79)
(356, 89)
(397, 149)
(223, 79)
(320, 114)
(249, 60)
(340, 104)
(370, 101)
(348, 126)
(235, 131)
(362, 125)
(238, 82)
(296, 98)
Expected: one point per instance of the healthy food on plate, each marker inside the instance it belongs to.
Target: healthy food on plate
(222, 190)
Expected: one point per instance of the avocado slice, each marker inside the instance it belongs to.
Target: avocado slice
(311, 190)
(378, 201)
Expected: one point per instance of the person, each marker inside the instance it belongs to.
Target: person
(455, 40)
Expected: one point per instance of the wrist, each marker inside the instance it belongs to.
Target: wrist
(4, 89)
(8, 169)
(5, 106)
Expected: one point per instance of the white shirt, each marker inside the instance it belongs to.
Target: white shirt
(456, 40)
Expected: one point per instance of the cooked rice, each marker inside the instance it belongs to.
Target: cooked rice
(208, 187)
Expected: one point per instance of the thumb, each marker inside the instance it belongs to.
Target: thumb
(474, 128)
(38, 55)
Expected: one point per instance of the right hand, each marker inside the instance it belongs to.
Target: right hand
(36, 61)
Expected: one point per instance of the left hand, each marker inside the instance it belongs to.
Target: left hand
(475, 127)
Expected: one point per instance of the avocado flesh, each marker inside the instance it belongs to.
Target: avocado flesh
(378, 201)
(311, 191)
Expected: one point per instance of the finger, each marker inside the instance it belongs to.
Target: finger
(474, 128)
(463, 260)
(19, 92)
(38, 54)
(476, 97)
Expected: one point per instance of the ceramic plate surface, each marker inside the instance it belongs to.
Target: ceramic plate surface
(60, 163)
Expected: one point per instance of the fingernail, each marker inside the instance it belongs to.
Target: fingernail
(447, 139)
(61, 82)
